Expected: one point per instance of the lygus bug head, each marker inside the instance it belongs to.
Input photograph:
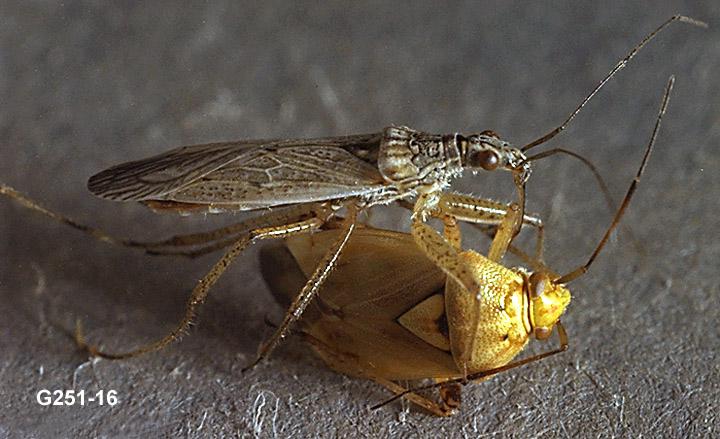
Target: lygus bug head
(487, 151)
(548, 301)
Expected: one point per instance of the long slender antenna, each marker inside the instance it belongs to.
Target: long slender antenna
(598, 177)
(628, 196)
(620, 65)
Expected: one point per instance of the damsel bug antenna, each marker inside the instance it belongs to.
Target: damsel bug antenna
(598, 177)
(620, 65)
(628, 196)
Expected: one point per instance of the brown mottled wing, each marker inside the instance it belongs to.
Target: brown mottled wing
(380, 275)
(248, 175)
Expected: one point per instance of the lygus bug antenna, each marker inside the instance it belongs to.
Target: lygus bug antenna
(628, 196)
(544, 319)
(619, 66)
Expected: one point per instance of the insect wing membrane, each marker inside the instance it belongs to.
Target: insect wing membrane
(381, 272)
(380, 276)
(247, 175)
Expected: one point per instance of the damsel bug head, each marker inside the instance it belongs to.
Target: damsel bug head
(548, 301)
(488, 152)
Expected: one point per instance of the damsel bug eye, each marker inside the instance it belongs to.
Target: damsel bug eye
(486, 159)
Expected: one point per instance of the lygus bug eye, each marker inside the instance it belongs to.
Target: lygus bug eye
(485, 159)
(537, 284)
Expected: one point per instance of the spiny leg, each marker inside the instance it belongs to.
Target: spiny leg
(483, 211)
(459, 207)
(211, 238)
(489, 230)
(200, 292)
(312, 286)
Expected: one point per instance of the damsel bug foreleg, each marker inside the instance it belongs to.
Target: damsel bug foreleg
(459, 207)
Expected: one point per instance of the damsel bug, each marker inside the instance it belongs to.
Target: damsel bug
(388, 314)
(306, 182)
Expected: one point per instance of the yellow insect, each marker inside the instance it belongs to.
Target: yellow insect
(390, 314)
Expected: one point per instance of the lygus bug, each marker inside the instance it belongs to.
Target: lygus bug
(389, 314)
(305, 182)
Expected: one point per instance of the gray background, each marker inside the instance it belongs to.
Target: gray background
(85, 85)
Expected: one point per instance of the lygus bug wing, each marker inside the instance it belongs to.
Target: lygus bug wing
(247, 175)
(355, 325)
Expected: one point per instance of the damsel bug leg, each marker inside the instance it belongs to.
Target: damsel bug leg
(489, 230)
(323, 270)
(167, 246)
(451, 230)
(442, 253)
(200, 292)
(32, 205)
(469, 209)
(459, 207)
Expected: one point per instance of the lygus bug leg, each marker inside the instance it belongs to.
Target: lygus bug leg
(480, 376)
(348, 364)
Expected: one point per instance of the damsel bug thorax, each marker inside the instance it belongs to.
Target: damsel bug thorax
(413, 158)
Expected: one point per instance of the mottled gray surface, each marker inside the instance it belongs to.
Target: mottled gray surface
(86, 85)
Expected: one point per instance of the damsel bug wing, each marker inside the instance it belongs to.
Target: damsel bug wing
(370, 335)
(380, 273)
(249, 174)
